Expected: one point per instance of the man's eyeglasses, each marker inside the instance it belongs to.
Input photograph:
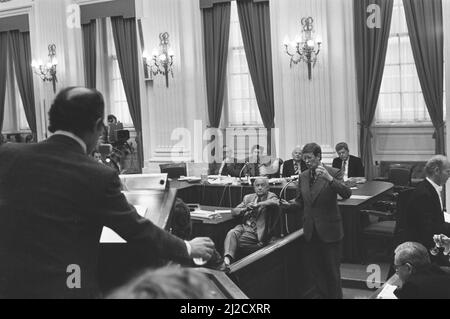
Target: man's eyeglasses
(397, 267)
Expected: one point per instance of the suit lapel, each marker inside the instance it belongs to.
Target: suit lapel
(316, 188)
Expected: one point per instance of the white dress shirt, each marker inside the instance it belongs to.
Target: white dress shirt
(345, 169)
(74, 137)
(438, 191)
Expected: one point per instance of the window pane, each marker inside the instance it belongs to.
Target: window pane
(242, 106)
(406, 51)
(401, 98)
(391, 79)
(410, 79)
(393, 49)
(389, 109)
(119, 104)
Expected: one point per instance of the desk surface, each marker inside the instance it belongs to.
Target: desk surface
(367, 189)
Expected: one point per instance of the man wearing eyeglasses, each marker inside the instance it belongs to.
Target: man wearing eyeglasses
(419, 278)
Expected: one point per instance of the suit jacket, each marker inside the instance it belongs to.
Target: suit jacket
(54, 202)
(424, 217)
(233, 169)
(355, 166)
(428, 283)
(319, 205)
(266, 220)
(289, 170)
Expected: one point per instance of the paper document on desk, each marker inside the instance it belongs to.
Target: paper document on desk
(205, 214)
(387, 292)
(359, 197)
(447, 217)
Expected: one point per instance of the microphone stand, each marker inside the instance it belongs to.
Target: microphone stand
(242, 170)
(283, 192)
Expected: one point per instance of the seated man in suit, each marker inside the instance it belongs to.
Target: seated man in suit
(253, 162)
(260, 213)
(228, 167)
(296, 165)
(350, 165)
(419, 278)
(425, 216)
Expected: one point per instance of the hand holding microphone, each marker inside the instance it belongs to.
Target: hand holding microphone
(322, 172)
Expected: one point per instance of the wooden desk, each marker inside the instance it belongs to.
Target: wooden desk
(353, 222)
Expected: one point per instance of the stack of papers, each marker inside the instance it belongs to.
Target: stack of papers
(360, 197)
(204, 214)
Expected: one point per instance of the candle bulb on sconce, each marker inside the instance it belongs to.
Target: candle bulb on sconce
(47, 72)
(161, 60)
(306, 47)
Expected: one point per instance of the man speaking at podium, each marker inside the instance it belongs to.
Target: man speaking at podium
(55, 200)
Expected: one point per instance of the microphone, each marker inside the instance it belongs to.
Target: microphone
(283, 192)
(242, 170)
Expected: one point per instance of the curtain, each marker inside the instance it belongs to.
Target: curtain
(254, 18)
(216, 29)
(370, 48)
(125, 40)
(90, 53)
(21, 46)
(425, 27)
(3, 73)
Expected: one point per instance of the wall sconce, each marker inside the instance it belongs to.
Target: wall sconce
(161, 61)
(306, 46)
(47, 72)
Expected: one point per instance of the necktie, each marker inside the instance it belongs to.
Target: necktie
(313, 177)
(296, 168)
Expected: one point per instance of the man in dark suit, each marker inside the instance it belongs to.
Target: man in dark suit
(425, 216)
(350, 165)
(419, 278)
(229, 165)
(54, 202)
(296, 165)
(322, 221)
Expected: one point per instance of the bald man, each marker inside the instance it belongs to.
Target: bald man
(296, 165)
(54, 202)
(260, 222)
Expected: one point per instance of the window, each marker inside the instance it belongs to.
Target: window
(242, 108)
(14, 120)
(119, 104)
(401, 99)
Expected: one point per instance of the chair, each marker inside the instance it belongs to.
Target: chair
(174, 170)
(400, 176)
(389, 226)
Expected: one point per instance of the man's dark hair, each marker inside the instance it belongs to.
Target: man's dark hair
(312, 148)
(78, 113)
(341, 146)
